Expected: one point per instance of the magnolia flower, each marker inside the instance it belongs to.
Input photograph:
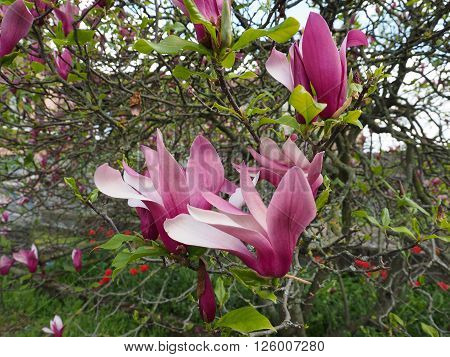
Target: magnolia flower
(16, 24)
(66, 14)
(5, 264)
(168, 188)
(211, 11)
(275, 162)
(5, 216)
(63, 63)
(56, 327)
(77, 256)
(317, 61)
(205, 294)
(28, 257)
(272, 231)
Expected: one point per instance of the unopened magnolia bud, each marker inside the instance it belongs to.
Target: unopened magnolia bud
(226, 34)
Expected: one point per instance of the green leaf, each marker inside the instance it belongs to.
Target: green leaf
(80, 36)
(429, 330)
(229, 59)
(403, 230)
(117, 240)
(284, 120)
(352, 117)
(259, 285)
(8, 59)
(322, 199)
(245, 320)
(385, 218)
(281, 33)
(304, 103)
(37, 67)
(181, 72)
(170, 45)
(245, 75)
(406, 201)
(435, 236)
(220, 292)
(395, 318)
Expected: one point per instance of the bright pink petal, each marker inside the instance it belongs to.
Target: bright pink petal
(141, 183)
(279, 68)
(290, 211)
(291, 150)
(353, 38)
(221, 204)
(298, 68)
(152, 161)
(322, 62)
(269, 149)
(315, 168)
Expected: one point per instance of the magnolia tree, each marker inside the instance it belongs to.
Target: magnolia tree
(284, 191)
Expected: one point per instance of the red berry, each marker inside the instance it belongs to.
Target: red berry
(127, 232)
(91, 232)
(108, 272)
(133, 271)
(143, 268)
(416, 250)
(109, 233)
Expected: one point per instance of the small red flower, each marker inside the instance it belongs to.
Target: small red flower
(134, 271)
(108, 272)
(127, 232)
(109, 233)
(143, 268)
(416, 250)
(384, 274)
(442, 285)
(362, 264)
(91, 232)
(104, 280)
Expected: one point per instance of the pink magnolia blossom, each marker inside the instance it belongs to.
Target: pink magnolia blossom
(66, 14)
(317, 61)
(211, 11)
(5, 264)
(77, 256)
(16, 24)
(273, 231)
(5, 216)
(63, 63)
(275, 162)
(167, 188)
(56, 327)
(28, 257)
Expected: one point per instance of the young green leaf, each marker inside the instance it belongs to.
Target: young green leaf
(305, 104)
(245, 320)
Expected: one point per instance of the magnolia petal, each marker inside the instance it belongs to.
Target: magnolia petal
(290, 211)
(47, 330)
(185, 229)
(322, 62)
(253, 199)
(110, 182)
(353, 38)
(141, 183)
(172, 180)
(269, 148)
(228, 187)
(221, 204)
(152, 162)
(279, 68)
(298, 68)
(268, 163)
(58, 322)
(136, 203)
(292, 151)
(315, 168)
(15, 25)
(204, 172)
(237, 199)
